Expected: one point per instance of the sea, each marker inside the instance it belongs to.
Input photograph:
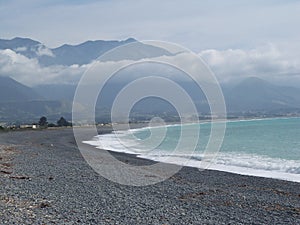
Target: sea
(257, 147)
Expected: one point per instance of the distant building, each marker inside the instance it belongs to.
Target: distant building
(29, 126)
(3, 124)
(24, 126)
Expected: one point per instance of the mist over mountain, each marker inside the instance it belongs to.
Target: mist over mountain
(252, 95)
(255, 94)
(56, 92)
(18, 101)
(24, 46)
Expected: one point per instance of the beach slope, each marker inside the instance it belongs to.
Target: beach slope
(44, 179)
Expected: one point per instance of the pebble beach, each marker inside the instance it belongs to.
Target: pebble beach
(45, 180)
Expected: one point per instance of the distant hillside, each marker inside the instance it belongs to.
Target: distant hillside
(13, 91)
(255, 94)
(250, 95)
(31, 111)
(58, 92)
(21, 103)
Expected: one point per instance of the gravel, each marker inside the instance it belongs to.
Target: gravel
(49, 182)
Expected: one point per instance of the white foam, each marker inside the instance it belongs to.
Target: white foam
(245, 164)
(257, 173)
(240, 163)
(114, 142)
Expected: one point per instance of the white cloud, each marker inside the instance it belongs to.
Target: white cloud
(269, 62)
(42, 50)
(29, 72)
(20, 49)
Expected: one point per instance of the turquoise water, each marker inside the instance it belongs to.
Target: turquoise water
(267, 147)
(277, 138)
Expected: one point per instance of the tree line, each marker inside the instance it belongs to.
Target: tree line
(62, 122)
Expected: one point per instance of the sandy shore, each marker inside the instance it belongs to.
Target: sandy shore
(44, 179)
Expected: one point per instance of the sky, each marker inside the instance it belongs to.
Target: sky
(235, 37)
(196, 24)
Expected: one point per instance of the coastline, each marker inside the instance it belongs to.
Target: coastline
(280, 175)
(51, 182)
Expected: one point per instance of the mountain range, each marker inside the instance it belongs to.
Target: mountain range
(251, 96)
(68, 55)
(19, 102)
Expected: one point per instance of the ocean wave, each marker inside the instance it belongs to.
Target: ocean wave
(245, 164)
(235, 162)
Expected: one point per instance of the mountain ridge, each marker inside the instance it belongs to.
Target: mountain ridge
(67, 55)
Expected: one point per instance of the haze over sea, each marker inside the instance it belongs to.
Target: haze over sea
(264, 147)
